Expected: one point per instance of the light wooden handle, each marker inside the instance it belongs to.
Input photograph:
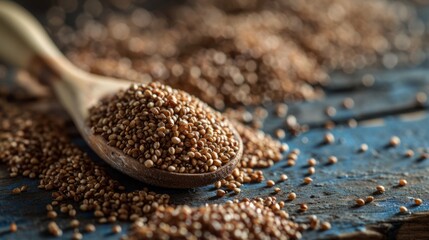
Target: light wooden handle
(23, 41)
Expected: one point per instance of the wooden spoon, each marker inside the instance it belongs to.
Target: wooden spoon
(24, 43)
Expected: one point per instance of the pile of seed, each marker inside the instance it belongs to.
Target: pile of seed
(248, 219)
(226, 53)
(165, 128)
(35, 146)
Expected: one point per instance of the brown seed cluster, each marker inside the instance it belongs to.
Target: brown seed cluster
(35, 145)
(260, 151)
(227, 55)
(165, 128)
(248, 219)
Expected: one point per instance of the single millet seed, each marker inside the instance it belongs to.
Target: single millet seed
(13, 227)
(380, 189)
(270, 183)
(89, 228)
(16, 190)
(277, 190)
(303, 207)
(394, 141)
(283, 177)
(280, 133)
(308, 180)
(409, 153)
(52, 214)
(363, 147)
(291, 162)
(330, 111)
(311, 170)
(325, 226)
(220, 193)
(291, 196)
(332, 159)
(74, 223)
(348, 103)
(329, 138)
(418, 201)
(402, 182)
(360, 202)
(116, 229)
(77, 236)
(311, 162)
(369, 199)
(165, 128)
(281, 110)
(54, 229)
(403, 209)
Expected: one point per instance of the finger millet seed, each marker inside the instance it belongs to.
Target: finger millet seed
(360, 202)
(77, 236)
(277, 190)
(409, 153)
(329, 138)
(348, 103)
(380, 189)
(325, 226)
(402, 182)
(312, 162)
(116, 229)
(332, 159)
(74, 223)
(54, 229)
(270, 183)
(13, 227)
(308, 180)
(303, 207)
(16, 190)
(291, 196)
(311, 170)
(418, 201)
(403, 209)
(363, 147)
(369, 199)
(164, 128)
(283, 177)
(280, 133)
(394, 141)
(220, 193)
(89, 228)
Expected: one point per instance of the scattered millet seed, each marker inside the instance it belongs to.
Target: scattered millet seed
(311, 162)
(369, 199)
(236, 190)
(281, 110)
(330, 111)
(311, 170)
(13, 227)
(116, 229)
(277, 190)
(290, 162)
(402, 182)
(380, 189)
(421, 98)
(325, 226)
(54, 230)
(74, 223)
(394, 141)
(89, 228)
(329, 138)
(280, 133)
(424, 156)
(348, 103)
(291, 196)
(270, 183)
(363, 147)
(24, 188)
(303, 207)
(220, 193)
(360, 202)
(403, 209)
(308, 180)
(418, 201)
(332, 159)
(16, 190)
(169, 119)
(52, 214)
(77, 236)
(409, 153)
(283, 177)
(284, 147)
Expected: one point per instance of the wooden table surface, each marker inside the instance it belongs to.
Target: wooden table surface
(383, 110)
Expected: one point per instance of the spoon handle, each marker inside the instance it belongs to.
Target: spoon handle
(25, 44)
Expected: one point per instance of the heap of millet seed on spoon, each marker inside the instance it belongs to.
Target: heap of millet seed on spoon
(165, 128)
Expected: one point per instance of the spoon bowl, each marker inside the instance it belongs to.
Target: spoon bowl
(25, 44)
